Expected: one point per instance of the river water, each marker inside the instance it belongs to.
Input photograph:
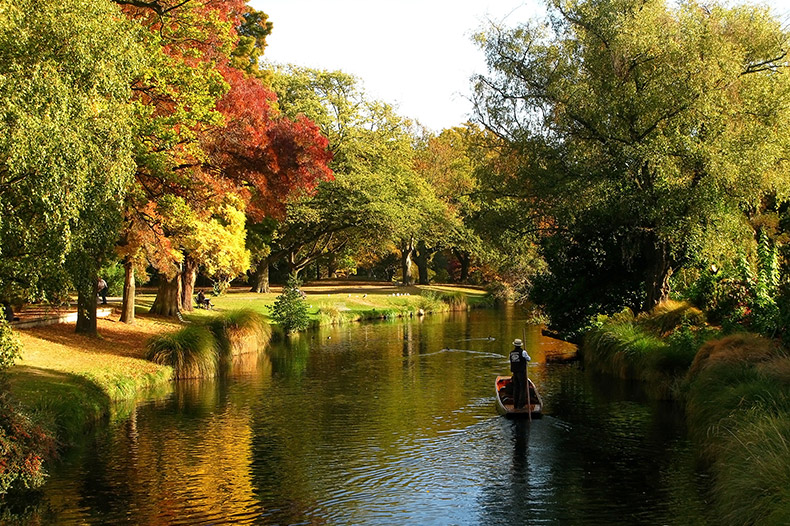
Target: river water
(381, 424)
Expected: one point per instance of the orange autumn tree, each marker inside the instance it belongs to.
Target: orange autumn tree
(206, 140)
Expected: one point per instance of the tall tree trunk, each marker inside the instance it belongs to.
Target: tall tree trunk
(465, 260)
(86, 311)
(260, 278)
(407, 248)
(188, 279)
(331, 266)
(167, 302)
(294, 266)
(421, 257)
(659, 271)
(127, 308)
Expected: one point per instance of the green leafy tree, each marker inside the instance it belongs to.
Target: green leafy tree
(642, 133)
(449, 163)
(376, 196)
(65, 136)
(290, 309)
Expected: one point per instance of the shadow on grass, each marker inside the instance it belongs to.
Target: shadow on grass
(115, 338)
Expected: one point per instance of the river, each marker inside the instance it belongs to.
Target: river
(381, 424)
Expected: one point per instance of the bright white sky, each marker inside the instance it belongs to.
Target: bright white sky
(417, 55)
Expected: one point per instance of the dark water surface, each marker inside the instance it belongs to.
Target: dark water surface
(386, 423)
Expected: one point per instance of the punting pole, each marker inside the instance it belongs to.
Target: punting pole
(526, 371)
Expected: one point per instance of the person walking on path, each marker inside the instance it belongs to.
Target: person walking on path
(518, 366)
(103, 291)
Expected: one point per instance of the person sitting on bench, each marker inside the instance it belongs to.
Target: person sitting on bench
(202, 301)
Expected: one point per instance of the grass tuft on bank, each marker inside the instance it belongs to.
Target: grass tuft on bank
(190, 351)
(201, 349)
(239, 331)
(736, 393)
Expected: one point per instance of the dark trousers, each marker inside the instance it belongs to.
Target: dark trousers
(519, 383)
(103, 294)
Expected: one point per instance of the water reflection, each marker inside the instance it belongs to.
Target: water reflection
(389, 423)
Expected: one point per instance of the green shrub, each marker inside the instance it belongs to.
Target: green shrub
(290, 309)
(500, 291)
(191, 352)
(442, 276)
(683, 345)
(114, 275)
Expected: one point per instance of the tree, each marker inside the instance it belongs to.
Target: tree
(205, 136)
(177, 97)
(289, 309)
(640, 128)
(217, 246)
(65, 141)
(449, 162)
(375, 194)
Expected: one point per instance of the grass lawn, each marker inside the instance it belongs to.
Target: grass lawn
(358, 299)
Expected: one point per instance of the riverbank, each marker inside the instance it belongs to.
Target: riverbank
(69, 382)
(735, 390)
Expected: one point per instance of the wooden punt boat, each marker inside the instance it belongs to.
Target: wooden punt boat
(504, 400)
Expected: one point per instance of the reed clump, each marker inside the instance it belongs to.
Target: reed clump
(199, 350)
(670, 315)
(733, 350)
(333, 315)
(239, 332)
(430, 301)
(454, 300)
(751, 483)
(191, 352)
(330, 315)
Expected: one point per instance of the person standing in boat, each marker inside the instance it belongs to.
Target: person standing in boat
(518, 366)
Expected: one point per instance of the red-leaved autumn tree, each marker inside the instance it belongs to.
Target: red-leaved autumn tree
(206, 137)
